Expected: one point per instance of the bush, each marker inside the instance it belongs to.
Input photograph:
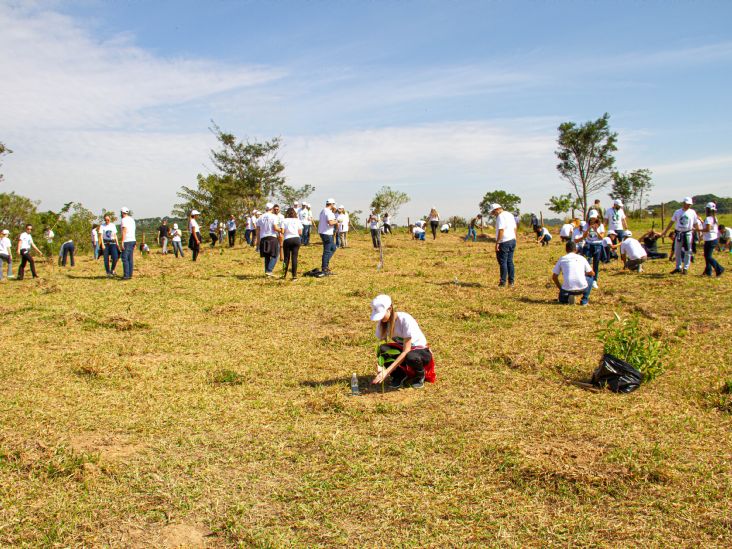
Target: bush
(226, 377)
(626, 340)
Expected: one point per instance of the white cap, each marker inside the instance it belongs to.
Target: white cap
(268, 206)
(593, 214)
(195, 212)
(296, 204)
(688, 201)
(341, 207)
(175, 225)
(125, 210)
(628, 233)
(5, 231)
(330, 201)
(712, 206)
(379, 305)
(612, 232)
(618, 202)
(494, 207)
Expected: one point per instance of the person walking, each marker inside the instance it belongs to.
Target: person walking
(326, 226)
(129, 241)
(267, 240)
(66, 251)
(577, 276)
(306, 218)
(251, 228)
(616, 220)
(110, 245)
(505, 243)
(291, 234)
(95, 240)
(373, 225)
(386, 223)
(593, 237)
(434, 219)
(231, 230)
(343, 226)
(711, 240)
(194, 229)
(683, 220)
(163, 235)
(6, 253)
(25, 248)
(177, 238)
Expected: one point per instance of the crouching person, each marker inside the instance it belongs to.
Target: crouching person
(577, 276)
(632, 253)
(404, 353)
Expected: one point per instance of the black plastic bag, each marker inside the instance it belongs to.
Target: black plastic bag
(617, 375)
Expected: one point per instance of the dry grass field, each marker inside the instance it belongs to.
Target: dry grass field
(202, 404)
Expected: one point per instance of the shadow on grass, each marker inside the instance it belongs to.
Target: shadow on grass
(243, 277)
(86, 277)
(458, 284)
(536, 301)
(364, 384)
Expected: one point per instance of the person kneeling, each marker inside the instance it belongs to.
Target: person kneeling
(404, 353)
(632, 253)
(418, 233)
(577, 276)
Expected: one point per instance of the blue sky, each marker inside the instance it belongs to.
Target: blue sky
(108, 103)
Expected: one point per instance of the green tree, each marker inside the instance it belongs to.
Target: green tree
(585, 156)
(457, 221)
(387, 200)
(289, 195)
(354, 218)
(16, 211)
(3, 151)
(508, 201)
(562, 204)
(632, 188)
(79, 224)
(621, 188)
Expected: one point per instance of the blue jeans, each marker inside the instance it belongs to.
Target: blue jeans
(110, 250)
(177, 248)
(621, 234)
(9, 261)
(127, 258)
(329, 248)
(504, 255)
(95, 247)
(249, 237)
(471, 233)
(269, 263)
(595, 251)
(305, 238)
(711, 263)
(564, 294)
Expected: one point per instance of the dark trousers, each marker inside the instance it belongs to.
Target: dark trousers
(433, 226)
(504, 255)
(291, 248)
(711, 263)
(195, 246)
(564, 294)
(329, 248)
(416, 359)
(128, 253)
(375, 237)
(232, 237)
(214, 238)
(595, 251)
(68, 251)
(387, 228)
(249, 237)
(26, 258)
(110, 249)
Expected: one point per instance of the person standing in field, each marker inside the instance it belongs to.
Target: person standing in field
(194, 229)
(577, 276)
(231, 230)
(267, 240)
(386, 222)
(213, 232)
(403, 353)
(306, 218)
(110, 245)
(251, 228)
(163, 235)
(632, 253)
(593, 236)
(95, 240)
(505, 244)
(280, 220)
(684, 220)
(6, 253)
(434, 219)
(326, 225)
(177, 238)
(616, 219)
(129, 241)
(711, 240)
(291, 235)
(373, 224)
(343, 226)
(25, 248)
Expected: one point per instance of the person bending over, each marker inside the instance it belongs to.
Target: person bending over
(649, 241)
(632, 253)
(577, 276)
(543, 236)
(403, 352)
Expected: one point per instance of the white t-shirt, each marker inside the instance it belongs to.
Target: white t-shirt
(108, 230)
(445, 227)
(684, 219)
(578, 236)
(213, 227)
(593, 235)
(632, 249)
(306, 217)
(607, 242)
(615, 218)
(418, 230)
(176, 234)
(405, 327)
(573, 268)
(251, 223)
(325, 216)
(292, 226)
(343, 223)
(26, 241)
(545, 232)
(231, 224)
(505, 221)
(5, 245)
(49, 234)
(267, 225)
(193, 226)
(728, 232)
(94, 236)
(713, 233)
(566, 230)
(374, 223)
(434, 217)
(129, 224)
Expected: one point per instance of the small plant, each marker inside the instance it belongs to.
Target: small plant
(226, 377)
(626, 340)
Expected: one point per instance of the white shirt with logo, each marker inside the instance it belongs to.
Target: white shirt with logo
(505, 221)
(684, 219)
(713, 233)
(574, 269)
(323, 226)
(593, 235)
(615, 218)
(632, 249)
(108, 230)
(306, 217)
(26, 241)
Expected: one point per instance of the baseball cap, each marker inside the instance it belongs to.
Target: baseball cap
(330, 201)
(125, 210)
(688, 201)
(379, 305)
(628, 233)
(296, 204)
(195, 212)
(268, 206)
(711, 206)
(175, 225)
(611, 232)
(5, 231)
(618, 202)
(494, 207)
(341, 207)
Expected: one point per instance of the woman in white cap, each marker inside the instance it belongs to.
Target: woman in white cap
(684, 220)
(267, 241)
(403, 353)
(343, 227)
(177, 238)
(434, 219)
(710, 233)
(6, 253)
(194, 241)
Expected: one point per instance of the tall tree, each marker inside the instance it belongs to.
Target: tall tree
(3, 151)
(16, 211)
(632, 188)
(289, 195)
(585, 156)
(562, 203)
(388, 200)
(508, 201)
(622, 188)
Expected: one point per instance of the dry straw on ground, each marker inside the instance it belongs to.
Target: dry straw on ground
(202, 404)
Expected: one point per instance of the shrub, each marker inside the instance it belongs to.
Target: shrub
(626, 340)
(226, 377)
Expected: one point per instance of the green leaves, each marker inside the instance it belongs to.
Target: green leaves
(389, 201)
(626, 340)
(509, 201)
